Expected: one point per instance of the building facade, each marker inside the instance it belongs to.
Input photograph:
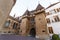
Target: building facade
(39, 23)
(33, 23)
(5, 8)
(11, 26)
(53, 18)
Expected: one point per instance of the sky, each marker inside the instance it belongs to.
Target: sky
(22, 5)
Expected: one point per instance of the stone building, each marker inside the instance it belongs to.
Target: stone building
(33, 23)
(11, 26)
(5, 8)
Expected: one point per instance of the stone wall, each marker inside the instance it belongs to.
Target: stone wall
(41, 25)
(5, 8)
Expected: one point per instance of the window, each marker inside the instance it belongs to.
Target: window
(48, 20)
(9, 31)
(57, 10)
(48, 13)
(52, 20)
(32, 20)
(43, 31)
(7, 23)
(15, 26)
(50, 29)
(56, 18)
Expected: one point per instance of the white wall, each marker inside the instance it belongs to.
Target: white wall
(55, 25)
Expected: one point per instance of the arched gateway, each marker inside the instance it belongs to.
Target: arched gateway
(32, 32)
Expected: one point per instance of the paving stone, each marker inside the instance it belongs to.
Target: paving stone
(15, 37)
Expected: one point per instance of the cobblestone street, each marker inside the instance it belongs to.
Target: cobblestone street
(15, 37)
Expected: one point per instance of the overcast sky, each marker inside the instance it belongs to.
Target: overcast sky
(22, 5)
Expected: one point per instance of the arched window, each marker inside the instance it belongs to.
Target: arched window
(7, 23)
(15, 26)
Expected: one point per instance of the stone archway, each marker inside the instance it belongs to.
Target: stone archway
(32, 32)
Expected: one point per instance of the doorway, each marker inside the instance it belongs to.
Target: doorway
(33, 32)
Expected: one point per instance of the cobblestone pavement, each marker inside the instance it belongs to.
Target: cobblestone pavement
(15, 37)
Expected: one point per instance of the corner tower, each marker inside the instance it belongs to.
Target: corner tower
(40, 22)
(24, 24)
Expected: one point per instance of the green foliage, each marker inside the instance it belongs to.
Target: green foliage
(55, 37)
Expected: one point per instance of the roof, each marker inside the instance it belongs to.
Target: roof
(26, 12)
(39, 7)
(13, 18)
(52, 5)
